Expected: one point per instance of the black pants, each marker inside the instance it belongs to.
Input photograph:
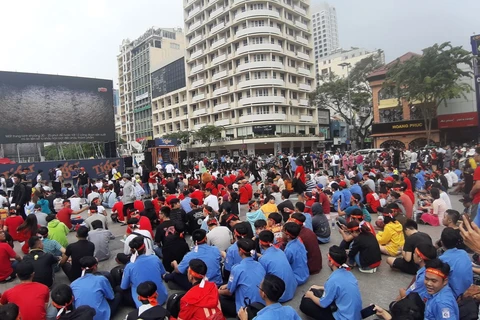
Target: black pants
(314, 311)
(256, 175)
(57, 186)
(179, 279)
(67, 269)
(126, 208)
(229, 308)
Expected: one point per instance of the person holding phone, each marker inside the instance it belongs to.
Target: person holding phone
(340, 297)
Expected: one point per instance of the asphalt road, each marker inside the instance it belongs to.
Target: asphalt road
(380, 288)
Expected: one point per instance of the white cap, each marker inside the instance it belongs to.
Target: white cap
(471, 152)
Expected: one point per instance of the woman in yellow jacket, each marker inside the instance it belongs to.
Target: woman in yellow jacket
(391, 239)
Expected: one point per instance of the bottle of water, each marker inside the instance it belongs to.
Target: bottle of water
(333, 223)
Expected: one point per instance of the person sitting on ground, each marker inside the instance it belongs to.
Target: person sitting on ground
(100, 238)
(49, 245)
(147, 294)
(320, 224)
(30, 297)
(143, 268)
(296, 252)
(95, 290)
(341, 290)
(210, 255)
(233, 219)
(218, 236)
(450, 221)
(411, 308)
(442, 302)
(66, 213)
(10, 311)
(285, 204)
(309, 240)
(175, 247)
(11, 224)
(76, 251)
(150, 213)
(202, 300)
(364, 251)
(109, 197)
(269, 206)
(57, 230)
(93, 215)
(300, 208)
(414, 238)
(243, 282)
(274, 224)
(254, 213)
(275, 262)
(423, 253)
(62, 300)
(231, 256)
(436, 211)
(43, 263)
(460, 277)
(125, 256)
(28, 229)
(391, 239)
(7, 267)
(271, 290)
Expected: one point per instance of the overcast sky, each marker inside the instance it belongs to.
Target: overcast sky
(82, 37)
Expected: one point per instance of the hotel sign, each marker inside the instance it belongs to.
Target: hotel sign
(401, 126)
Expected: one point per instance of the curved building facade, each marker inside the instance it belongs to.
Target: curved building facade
(250, 68)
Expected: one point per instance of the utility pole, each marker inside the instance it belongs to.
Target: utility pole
(350, 113)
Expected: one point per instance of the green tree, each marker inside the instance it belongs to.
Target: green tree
(431, 79)
(182, 136)
(334, 94)
(72, 151)
(208, 134)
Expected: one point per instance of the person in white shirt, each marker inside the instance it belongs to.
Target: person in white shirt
(3, 199)
(169, 168)
(114, 171)
(3, 183)
(413, 160)
(57, 184)
(335, 163)
(446, 174)
(218, 236)
(92, 195)
(210, 200)
(125, 256)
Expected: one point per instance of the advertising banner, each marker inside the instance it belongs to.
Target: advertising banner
(168, 78)
(401, 126)
(50, 108)
(458, 120)
(96, 168)
(266, 129)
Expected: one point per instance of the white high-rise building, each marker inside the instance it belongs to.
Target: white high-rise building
(137, 59)
(250, 68)
(325, 30)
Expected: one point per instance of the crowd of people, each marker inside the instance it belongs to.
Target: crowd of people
(225, 235)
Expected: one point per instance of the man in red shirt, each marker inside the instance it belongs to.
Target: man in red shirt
(152, 181)
(30, 297)
(197, 194)
(118, 209)
(7, 268)
(11, 225)
(65, 214)
(323, 199)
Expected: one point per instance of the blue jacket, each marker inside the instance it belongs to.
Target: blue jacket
(442, 305)
(244, 281)
(276, 311)
(297, 257)
(93, 290)
(460, 277)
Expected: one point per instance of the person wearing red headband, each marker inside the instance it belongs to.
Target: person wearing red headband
(309, 240)
(275, 262)
(441, 303)
(143, 268)
(208, 254)
(62, 300)
(202, 300)
(243, 282)
(232, 257)
(296, 252)
(364, 251)
(423, 253)
(218, 236)
(147, 294)
(340, 290)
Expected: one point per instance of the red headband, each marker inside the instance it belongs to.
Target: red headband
(437, 272)
(238, 234)
(152, 299)
(202, 241)
(289, 234)
(300, 223)
(421, 255)
(195, 274)
(141, 247)
(264, 243)
(354, 228)
(335, 263)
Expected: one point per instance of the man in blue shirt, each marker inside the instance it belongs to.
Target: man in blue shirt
(423, 253)
(94, 290)
(143, 268)
(341, 288)
(244, 281)
(276, 263)
(346, 195)
(232, 257)
(355, 188)
(460, 277)
(420, 175)
(337, 195)
(208, 254)
(271, 289)
(295, 252)
(185, 203)
(441, 303)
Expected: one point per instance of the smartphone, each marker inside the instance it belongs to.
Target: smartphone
(368, 311)
(339, 225)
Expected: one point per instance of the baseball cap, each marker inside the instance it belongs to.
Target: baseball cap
(126, 175)
(320, 186)
(342, 184)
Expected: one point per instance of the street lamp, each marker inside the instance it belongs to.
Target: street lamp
(350, 114)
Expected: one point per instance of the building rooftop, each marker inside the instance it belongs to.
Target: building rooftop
(383, 70)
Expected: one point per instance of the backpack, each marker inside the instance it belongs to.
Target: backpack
(52, 174)
(173, 304)
(9, 183)
(252, 308)
(468, 309)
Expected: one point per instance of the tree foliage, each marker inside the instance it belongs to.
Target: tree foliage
(72, 151)
(432, 78)
(182, 136)
(208, 134)
(333, 94)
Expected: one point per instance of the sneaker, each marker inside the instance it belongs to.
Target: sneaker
(367, 270)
